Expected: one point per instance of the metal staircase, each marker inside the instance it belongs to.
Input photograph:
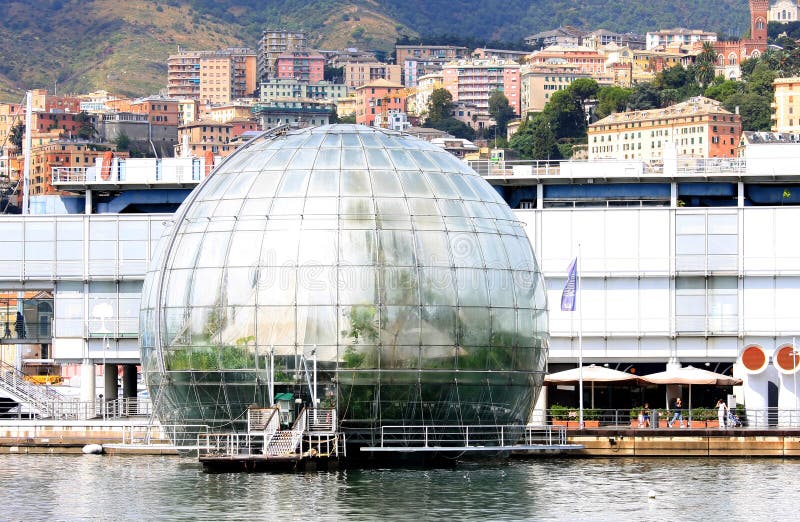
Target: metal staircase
(286, 442)
(43, 399)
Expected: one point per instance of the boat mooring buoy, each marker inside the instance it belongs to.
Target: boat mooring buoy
(92, 449)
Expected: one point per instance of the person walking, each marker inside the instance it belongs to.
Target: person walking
(678, 412)
(722, 413)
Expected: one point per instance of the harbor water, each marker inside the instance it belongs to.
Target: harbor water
(89, 487)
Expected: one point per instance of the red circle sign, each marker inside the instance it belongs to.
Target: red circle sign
(786, 359)
(753, 358)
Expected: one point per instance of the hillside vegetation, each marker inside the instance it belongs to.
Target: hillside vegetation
(84, 45)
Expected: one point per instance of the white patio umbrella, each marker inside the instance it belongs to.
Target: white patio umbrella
(690, 375)
(592, 374)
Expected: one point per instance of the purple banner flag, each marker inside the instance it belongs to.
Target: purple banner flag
(568, 295)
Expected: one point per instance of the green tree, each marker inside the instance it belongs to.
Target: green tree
(86, 128)
(722, 89)
(611, 99)
(440, 105)
(500, 111)
(17, 134)
(754, 109)
(644, 96)
(123, 142)
(543, 140)
(704, 65)
(565, 115)
(583, 90)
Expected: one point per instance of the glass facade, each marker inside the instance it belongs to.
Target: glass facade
(379, 259)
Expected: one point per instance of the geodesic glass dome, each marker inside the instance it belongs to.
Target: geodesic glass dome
(382, 259)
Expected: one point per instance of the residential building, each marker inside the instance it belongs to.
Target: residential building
(298, 112)
(61, 153)
(159, 110)
(566, 35)
(473, 81)
(378, 96)
(601, 37)
(648, 63)
(392, 120)
(204, 136)
(305, 66)
(425, 87)
(212, 76)
(679, 35)
(539, 82)
(421, 60)
(358, 74)
(42, 101)
(346, 106)
(482, 53)
(771, 146)
(472, 116)
(350, 55)
(188, 111)
(588, 60)
(285, 88)
(784, 11)
(273, 43)
(786, 105)
(698, 128)
(230, 111)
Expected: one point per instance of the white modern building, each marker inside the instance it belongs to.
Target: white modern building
(690, 262)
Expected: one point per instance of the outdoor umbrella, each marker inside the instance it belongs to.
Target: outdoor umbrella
(690, 375)
(592, 374)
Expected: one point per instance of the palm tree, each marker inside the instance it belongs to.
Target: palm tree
(704, 65)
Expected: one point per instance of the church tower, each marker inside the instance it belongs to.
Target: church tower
(759, 10)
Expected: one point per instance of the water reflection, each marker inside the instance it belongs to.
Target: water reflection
(167, 488)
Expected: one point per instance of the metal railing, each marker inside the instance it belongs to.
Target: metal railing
(696, 418)
(42, 398)
(73, 409)
(467, 436)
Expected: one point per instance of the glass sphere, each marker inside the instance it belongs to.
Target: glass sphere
(374, 260)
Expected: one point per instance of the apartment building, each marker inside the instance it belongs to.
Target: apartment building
(286, 88)
(420, 60)
(786, 105)
(784, 11)
(473, 81)
(61, 153)
(378, 96)
(297, 112)
(358, 74)
(483, 53)
(539, 82)
(679, 35)
(273, 43)
(212, 76)
(698, 128)
(417, 102)
(205, 136)
(229, 112)
(304, 66)
(587, 60)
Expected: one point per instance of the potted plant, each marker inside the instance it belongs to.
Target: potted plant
(591, 418)
(634, 414)
(559, 415)
(700, 417)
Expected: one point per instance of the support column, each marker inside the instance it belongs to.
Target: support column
(129, 380)
(87, 381)
(110, 387)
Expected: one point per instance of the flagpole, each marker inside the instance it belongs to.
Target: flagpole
(580, 340)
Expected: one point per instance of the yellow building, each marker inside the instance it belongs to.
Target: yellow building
(698, 127)
(425, 86)
(230, 111)
(786, 105)
(539, 82)
(346, 106)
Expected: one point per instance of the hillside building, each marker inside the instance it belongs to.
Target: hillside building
(212, 76)
(539, 82)
(297, 112)
(304, 66)
(679, 35)
(697, 128)
(587, 60)
(420, 60)
(358, 74)
(376, 97)
(273, 89)
(731, 53)
(473, 81)
(273, 43)
(784, 11)
(786, 105)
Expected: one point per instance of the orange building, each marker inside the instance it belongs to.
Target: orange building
(587, 60)
(698, 127)
(60, 153)
(378, 96)
(305, 66)
(159, 111)
(205, 136)
(212, 76)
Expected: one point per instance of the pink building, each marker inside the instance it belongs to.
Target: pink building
(587, 60)
(305, 66)
(472, 81)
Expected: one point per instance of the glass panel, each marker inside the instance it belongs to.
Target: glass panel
(317, 247)
(438, 328)
(327, 159)
(205, 287)
(186, 253)
(471, 287)
(294, 183)
(400, 286)
(690, 224)
(265, 184)
(378, 159)
(357, 247)
(280, 160)
(442, 186)
(355, 183)
(414, 184)
(353, 159)
(213, 249)
(494, 253)
(357, 285)
(245, 248)
(386, 183)
(134, 230)
(276, 286)
(316, 325)
(501, 288)
(240, 286)
(304, 159)
(433, 248)
(177, 287)
(279, 248)
(437, 286)
(396, 248)
(324, 183)
(399, 326)
(276, 325)
(465, 250)
(402, 160)
(474, 328)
